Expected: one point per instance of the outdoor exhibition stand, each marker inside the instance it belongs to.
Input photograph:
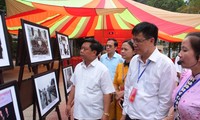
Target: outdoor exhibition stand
(62, 46)
(26, 86)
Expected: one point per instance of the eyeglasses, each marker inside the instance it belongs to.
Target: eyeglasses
(138, 40)
(110, 46)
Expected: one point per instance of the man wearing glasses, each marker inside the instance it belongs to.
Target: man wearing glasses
(111, 58)
(150, 79)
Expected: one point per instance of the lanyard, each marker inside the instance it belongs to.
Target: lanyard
(177, 99)
(140, 75)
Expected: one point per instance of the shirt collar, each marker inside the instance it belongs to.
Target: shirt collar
(114, 56)
(93, 63)
(153, 57)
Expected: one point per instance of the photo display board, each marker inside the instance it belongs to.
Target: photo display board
(5, 54)
(47, 92)
(10, 107)
(67, 74)
(63, 45)
(37, 40)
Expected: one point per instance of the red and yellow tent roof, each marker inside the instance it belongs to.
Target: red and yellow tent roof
(80, 18)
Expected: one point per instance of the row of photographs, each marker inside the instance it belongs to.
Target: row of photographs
(46, 90)
(37, 42)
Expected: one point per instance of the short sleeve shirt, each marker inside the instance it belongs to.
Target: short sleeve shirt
(91, 83)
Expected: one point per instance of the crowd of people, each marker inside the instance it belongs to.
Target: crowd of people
(137, 84)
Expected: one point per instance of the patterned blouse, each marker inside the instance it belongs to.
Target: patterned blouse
(189, 104)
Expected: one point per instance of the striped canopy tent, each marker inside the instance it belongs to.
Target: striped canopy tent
(80, 18)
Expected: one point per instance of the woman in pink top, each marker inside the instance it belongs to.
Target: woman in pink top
(186, 96)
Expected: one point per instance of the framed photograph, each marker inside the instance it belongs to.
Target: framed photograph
(37, 40)
(5, 54)
(67, 73)
(10, 108)
(47, 92)
(64, 47)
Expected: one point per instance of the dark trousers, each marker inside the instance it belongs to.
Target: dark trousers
(128, 118)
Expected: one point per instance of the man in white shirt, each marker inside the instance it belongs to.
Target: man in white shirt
(150, 79)
(92, 85)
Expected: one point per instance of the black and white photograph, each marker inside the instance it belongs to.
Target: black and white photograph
(67, 74)
(47, 91)
(10, 108)
(64, 47)
(37, 41)
(5, 55)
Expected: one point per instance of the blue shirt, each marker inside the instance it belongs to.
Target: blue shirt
(112, 63)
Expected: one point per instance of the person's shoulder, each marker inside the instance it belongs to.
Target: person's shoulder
(165, 62)
(119, 65)
(100, 64)
(185, 75)
(165, 58)
(101, 67)
(79, 65)
(134, 58)
(117, 55)
(103, 56)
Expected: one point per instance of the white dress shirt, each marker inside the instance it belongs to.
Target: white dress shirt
(91, 83)
(154, 88)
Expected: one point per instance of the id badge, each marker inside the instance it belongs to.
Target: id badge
(132, 95)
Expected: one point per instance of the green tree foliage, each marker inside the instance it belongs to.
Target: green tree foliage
(170, 5)
(192, 7)
(2, 5)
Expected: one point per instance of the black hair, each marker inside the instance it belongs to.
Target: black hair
(149, 30)
(195, 42)
(114, 40)
(130, 43)
(95, 45)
